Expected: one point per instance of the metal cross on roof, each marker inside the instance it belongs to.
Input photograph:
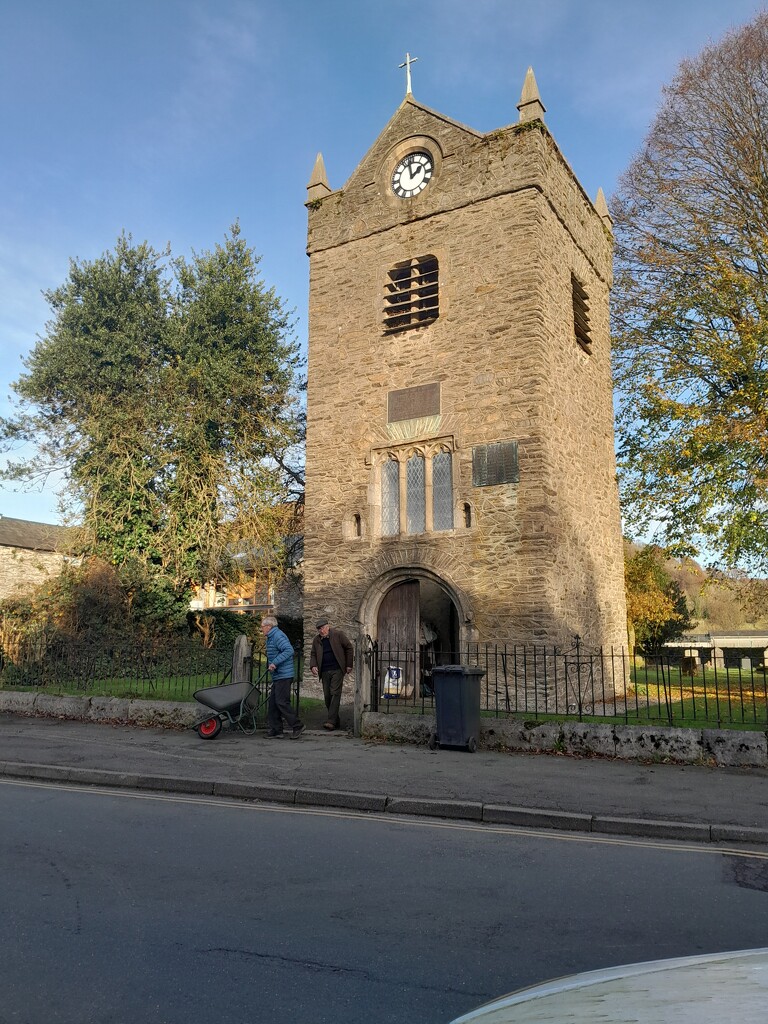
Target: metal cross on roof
(407, 65)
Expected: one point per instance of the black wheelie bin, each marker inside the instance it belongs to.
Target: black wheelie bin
(457, 706)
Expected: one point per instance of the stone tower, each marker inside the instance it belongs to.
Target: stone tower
(460, 451)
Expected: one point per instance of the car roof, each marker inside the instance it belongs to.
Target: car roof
(705, 989)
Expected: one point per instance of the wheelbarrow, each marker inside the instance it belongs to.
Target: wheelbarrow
(236, 703)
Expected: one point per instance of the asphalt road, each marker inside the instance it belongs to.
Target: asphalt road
(125, 906)
(732, 801)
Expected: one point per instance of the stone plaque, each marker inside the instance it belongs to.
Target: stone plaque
(413, 403)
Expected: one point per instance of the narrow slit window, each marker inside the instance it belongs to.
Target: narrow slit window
(581, 325)
(411, 296)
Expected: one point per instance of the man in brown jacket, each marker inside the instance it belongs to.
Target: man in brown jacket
(331, 659)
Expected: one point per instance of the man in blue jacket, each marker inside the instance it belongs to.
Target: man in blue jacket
(280, 666)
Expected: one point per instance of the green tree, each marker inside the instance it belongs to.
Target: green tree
(234, 421)
(657, 610)
(691, 310)
(167, 390)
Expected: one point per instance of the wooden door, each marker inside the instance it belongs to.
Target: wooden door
(398, 635)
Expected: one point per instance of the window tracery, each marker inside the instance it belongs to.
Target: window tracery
(417, 490)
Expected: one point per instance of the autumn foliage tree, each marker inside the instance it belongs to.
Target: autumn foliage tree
(657, 610)
(166, 390)
(691, 310)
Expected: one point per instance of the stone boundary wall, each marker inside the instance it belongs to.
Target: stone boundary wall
(722, 747)
(114, 710)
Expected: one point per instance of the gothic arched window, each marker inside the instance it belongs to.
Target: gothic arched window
(416, 489)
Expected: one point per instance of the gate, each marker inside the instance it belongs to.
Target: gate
(400, 676)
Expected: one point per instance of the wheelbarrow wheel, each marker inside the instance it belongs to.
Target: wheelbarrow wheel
(210, 728)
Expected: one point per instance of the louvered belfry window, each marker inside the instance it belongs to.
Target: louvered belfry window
(411, 295)
(581, 324)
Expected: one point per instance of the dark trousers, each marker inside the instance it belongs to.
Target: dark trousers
(332, 684)
(279, 708)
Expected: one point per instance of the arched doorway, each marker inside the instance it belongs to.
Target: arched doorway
(417, 628)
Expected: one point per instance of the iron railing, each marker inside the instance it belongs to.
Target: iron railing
(531, 681)
(154, 670)
(539, 682)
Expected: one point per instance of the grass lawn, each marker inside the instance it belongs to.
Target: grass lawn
(684, 703)
(157, 682)
(176, 689)
(733, 699)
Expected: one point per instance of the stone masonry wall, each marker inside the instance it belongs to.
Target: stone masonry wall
(21, 570)
(508, 224)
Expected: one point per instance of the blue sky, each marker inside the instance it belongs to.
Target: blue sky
(169, 119)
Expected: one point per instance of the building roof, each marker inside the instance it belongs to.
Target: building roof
(22, 533)
(722, 638)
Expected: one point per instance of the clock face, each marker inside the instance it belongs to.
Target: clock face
(412, 174)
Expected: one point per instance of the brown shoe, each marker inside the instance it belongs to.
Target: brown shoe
(329, 726)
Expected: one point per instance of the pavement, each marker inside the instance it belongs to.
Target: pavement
(697, 803)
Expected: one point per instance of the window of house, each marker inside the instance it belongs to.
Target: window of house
(411, 294)
(581, 324)
(427, 489)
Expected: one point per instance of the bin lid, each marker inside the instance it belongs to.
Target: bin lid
(465, 670)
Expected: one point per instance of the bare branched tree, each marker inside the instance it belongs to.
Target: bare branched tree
(691, 309)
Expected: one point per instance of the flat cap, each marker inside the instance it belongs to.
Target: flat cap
(321, 622)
